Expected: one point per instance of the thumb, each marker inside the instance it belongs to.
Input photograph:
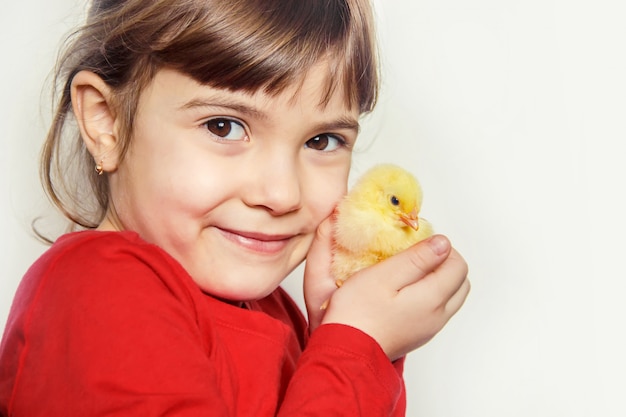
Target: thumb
(318, 282)
(416, 262)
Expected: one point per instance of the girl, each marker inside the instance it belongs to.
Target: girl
(203, 144)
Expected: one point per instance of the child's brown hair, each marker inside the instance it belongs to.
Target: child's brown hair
(243, 45)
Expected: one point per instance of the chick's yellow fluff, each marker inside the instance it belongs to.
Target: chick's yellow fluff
(377, 219)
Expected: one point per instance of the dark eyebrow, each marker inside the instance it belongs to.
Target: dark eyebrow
(230, 104)
(341, 123)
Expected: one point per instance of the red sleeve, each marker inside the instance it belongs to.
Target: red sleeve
(343, 371)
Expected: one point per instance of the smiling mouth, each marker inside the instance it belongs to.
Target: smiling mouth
(257, 242)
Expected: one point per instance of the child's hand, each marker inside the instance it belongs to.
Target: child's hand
(401, 302)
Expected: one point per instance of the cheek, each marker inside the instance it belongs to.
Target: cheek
(325, 193)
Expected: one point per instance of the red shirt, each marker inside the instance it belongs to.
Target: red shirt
(107, 324)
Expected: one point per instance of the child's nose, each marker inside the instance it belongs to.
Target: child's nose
(275, 185)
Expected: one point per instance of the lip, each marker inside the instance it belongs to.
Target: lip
(257, 242)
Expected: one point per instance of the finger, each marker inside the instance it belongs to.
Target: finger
(458, 299)
(448, 278)
(413, 264)
(320, 253)
(318, 282)
(446, 287)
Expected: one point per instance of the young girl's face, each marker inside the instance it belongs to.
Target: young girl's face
(233, 185)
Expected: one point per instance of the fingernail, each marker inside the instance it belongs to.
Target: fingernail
(439, 244)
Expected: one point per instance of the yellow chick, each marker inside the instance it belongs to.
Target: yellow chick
(377, 219)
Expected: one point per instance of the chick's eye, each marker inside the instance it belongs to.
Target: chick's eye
(226, 129)
(325, 142)
(394, 200)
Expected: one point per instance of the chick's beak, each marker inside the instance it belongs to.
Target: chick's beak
(410, 219)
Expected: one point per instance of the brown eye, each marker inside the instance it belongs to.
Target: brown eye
(325, 142)
(226, 129)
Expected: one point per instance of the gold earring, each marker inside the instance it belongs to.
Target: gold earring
(99, 168)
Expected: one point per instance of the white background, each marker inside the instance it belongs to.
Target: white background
(512, 114)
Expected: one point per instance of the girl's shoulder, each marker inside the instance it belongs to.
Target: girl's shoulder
(92, 239)
(93, 263)
(96, 249)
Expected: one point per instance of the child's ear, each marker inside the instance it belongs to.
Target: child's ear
(96, 118)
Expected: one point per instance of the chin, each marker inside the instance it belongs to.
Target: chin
(242, 285)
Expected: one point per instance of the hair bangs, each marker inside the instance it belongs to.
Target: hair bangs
(270, 45)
